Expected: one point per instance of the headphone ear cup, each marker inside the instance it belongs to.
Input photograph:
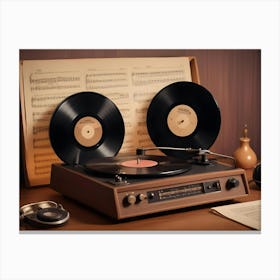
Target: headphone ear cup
(257, 175)
(52, 215)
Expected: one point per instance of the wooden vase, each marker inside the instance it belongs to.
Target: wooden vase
(244, 156)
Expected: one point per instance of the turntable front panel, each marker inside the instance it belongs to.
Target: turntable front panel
(162, 196)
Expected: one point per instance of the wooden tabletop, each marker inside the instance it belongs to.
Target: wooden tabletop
(83, 218)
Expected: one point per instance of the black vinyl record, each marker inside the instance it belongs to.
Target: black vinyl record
(144, 166)
(85, 126)
(183, 115)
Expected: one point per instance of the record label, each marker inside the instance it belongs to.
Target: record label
(182, 120)
(88, 131)
(139, 163)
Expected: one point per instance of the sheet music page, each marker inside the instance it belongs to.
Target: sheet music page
(130, 83)
(246, 213)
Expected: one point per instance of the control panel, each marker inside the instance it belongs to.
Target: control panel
(156, 198)
(183, 191)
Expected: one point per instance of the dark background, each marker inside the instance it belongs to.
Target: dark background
(232, 76)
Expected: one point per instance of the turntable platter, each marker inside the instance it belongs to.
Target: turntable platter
(142, 166)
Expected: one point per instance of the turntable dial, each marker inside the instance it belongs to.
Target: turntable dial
(131, 199)
(141, 197)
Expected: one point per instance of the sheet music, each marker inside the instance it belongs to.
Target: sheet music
(130, 83)
(246, 213)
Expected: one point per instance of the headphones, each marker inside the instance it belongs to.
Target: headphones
(257, 175)
(44, 214)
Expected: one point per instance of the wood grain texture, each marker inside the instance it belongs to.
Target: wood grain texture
(232, 76)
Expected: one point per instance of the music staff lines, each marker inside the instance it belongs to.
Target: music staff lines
(53, 80)
(57, 87)
(157, 73)
(40, 129)
(104, 80)
(142, 96)
(105, 74)
(118, 96)
(155, 77)
(101, 86)
(41, 101)
(41, 143)
(157, 81)
(41, 116)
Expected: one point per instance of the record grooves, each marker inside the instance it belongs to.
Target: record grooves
(86, 125)
(183, 115)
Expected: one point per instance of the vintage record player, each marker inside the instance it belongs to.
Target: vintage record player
(87, 130)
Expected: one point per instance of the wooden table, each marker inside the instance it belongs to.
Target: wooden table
(83, 218)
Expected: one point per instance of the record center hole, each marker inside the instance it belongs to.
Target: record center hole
(140, 163)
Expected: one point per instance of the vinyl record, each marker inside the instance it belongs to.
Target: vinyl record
(85, 126)
(183, 115)
(144, 166)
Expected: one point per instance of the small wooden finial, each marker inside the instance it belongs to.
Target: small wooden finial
(244, 155)
(245, 131)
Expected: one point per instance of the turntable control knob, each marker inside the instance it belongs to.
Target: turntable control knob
(151, 195)
(141, 197)
(118, 178)
(232, 183)
(131, 199)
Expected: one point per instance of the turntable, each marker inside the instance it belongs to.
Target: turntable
(87, 131)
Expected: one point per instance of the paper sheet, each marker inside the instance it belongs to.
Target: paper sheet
(246, 213)
(130, 83)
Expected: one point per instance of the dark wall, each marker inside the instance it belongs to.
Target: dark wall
(232, 76)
